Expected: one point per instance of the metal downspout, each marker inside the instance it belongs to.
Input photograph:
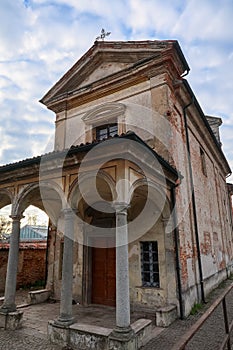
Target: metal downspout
(177, 249)
(194, 204)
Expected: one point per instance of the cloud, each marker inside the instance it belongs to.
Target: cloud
(205, 20)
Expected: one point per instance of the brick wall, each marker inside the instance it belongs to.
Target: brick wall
(32, 263)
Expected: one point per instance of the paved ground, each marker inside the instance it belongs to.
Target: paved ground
(209, 336)
(33, 335)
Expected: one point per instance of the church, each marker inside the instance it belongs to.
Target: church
(139, 208)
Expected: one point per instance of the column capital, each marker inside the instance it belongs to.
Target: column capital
(69, 212)
(17, 217)
(121, 207)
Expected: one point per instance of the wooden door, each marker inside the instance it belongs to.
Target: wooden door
(104, 276)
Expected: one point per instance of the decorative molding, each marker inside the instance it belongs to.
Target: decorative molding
(104, 113)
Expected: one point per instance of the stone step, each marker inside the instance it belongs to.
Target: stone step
(142, 329)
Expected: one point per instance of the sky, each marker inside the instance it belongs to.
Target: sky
(41, 39)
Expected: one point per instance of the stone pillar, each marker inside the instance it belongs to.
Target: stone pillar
(66, 318)
(12, 267)
(123, 328)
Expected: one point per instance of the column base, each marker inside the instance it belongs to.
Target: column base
(5, 309)
(64, 321)
(123, 339)
(122, 333)
(11, 320)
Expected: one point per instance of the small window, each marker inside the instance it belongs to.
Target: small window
(150, 264)
(105, 131)
(203, 162)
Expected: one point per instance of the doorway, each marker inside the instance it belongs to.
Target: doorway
(104, 276)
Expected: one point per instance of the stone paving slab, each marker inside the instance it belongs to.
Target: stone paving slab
(20, 340)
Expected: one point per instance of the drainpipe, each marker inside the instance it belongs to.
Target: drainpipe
(177, 249)
(194, 202)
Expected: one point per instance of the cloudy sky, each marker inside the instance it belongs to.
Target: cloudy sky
(41, 39)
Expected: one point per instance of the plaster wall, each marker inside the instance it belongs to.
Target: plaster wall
(150, 296)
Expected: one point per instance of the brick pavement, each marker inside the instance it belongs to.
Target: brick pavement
(33, 335)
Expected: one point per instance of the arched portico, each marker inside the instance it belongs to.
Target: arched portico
(30, 195)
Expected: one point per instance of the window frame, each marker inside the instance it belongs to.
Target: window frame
(152, 264)
(108, 133)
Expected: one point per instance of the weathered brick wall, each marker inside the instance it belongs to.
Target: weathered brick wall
(31, 267)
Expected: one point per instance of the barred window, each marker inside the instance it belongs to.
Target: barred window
(150, 264)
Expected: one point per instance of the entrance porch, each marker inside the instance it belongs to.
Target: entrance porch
(91, 328)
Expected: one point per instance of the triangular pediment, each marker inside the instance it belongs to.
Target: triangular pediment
(102, 60)
(105, 69)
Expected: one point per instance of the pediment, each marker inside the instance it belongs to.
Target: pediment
(102, 60)
(105, 69)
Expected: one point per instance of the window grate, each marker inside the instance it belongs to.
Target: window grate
(150, 264)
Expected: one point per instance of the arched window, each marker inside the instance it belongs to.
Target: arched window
(104, 121)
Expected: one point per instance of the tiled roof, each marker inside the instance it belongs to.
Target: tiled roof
(84, 147)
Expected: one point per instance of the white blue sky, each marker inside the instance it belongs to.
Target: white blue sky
(41, 39)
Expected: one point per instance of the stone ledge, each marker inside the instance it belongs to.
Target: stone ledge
(91, 329)
(142, 329)
(166, 315)
(38, 296)
(2, 300)
(57, 334)
(84, 336)
(140, 324)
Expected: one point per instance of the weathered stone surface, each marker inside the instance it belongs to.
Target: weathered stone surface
(57, 334)
(11, 320)
(38, 296)
(142, 329)
(14, 320)
(122, 345)
(89, 337)
(2, 320)
(166, 315)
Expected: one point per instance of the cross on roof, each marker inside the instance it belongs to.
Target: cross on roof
(103, 34)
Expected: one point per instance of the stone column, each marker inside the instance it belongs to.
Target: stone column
(66, 318)
(12, 267)
(123, 328)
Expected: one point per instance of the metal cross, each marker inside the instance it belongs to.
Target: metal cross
(103, 34)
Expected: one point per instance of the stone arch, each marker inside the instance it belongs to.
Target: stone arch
(6, 198)
(147, 182)
(47, 196)
(75, 196)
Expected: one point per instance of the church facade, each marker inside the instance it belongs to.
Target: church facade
(135, 189)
